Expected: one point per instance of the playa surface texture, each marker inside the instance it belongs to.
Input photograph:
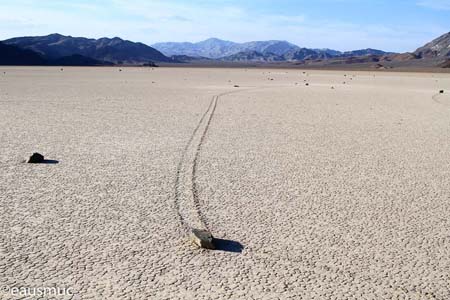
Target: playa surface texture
(335, 190)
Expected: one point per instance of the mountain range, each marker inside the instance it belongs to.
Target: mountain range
(216, 48)
(254, 51)
(57, 49)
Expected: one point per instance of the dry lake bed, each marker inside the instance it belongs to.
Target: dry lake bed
(339, 189)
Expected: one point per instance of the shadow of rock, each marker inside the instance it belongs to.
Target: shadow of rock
(50, 162)
(228, 245)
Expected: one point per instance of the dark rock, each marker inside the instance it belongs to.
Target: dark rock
(202, 238)
(36, 158)
(236, 85)
(441, 91)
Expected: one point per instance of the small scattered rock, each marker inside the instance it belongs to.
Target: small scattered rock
(441, 91)
(202, 238)
(236, 85)
(307, 84)
(36, 158)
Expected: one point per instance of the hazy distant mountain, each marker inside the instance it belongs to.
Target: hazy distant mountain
(115, 50)
(12, 55)
(305, 53)
(365, 52)
(274, 47)
(186, 58)
(329, 52)
(438, 48)
(225, 50)
(253, 56)
(210, 48)
(216, 48)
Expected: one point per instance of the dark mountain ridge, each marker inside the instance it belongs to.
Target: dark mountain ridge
(11, 55)
(15, 56)
(114, 50)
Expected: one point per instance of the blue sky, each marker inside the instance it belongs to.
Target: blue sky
(396, 25)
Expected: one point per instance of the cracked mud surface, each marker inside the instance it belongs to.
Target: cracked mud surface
(337, 193)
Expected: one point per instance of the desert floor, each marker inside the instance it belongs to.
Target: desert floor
(335, 190)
